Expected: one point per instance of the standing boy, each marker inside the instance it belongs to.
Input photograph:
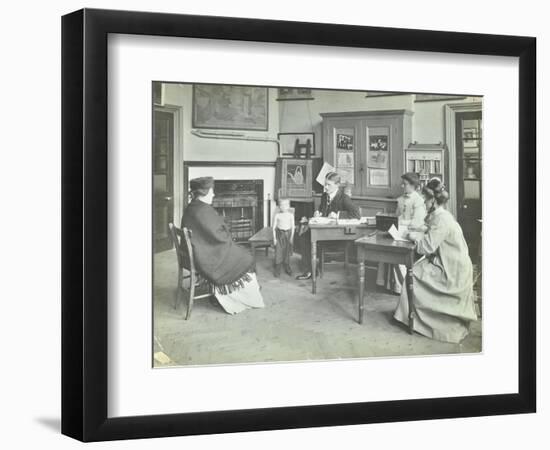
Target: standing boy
(283, 236)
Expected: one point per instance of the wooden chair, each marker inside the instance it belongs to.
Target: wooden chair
(330, 249)
(333, 249)
(186, 263)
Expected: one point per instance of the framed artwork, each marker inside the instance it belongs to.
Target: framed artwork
(230, 107)
(297, 144)
(110, 388)
(294, 94)
(295, 177)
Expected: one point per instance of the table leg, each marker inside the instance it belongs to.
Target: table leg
(410, 294)
(361, 288)
(253, 249)
(314, 267)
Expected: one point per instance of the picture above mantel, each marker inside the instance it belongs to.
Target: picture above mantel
(230, 107)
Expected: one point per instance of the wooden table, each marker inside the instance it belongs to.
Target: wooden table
(332, 232)
(382, 248)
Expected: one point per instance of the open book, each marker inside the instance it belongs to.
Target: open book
(397, 235)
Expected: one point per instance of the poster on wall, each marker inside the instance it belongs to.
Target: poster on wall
(379, 177)
(378, 151)
(346, 174)
(345, 159)
(344, 141)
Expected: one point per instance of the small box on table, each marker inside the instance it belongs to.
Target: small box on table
(384, 221)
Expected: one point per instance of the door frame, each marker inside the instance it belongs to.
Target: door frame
(451, 109)
(177, 160)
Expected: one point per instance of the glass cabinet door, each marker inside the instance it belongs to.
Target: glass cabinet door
(377, 158)
(344, 145)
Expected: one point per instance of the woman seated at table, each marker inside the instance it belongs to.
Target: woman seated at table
(443, 288)
(227, 267)
(411, 212)
(334, 204)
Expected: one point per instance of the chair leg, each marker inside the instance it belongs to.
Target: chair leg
(267, 251)
(180, 288)
(322, 265)
(193, 281)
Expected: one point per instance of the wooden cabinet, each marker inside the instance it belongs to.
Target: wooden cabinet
(367, 149)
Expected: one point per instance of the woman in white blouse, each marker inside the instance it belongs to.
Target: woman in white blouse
(411, 212)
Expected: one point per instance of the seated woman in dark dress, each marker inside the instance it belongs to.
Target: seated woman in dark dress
(334, 204)
(228, 268)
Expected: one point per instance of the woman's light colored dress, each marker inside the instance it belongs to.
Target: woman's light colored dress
(443, 285)
(248, 296)
(411, 210)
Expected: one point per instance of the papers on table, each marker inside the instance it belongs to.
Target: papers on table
(396, 235)
(348, 221)
(321, 220)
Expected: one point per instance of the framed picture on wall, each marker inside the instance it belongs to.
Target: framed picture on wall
(294, 94)
(298, 145)
(294, 177)
(111, 388)
(228, 107)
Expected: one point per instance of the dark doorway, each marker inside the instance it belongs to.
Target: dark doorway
(163, 178)
(469, 145)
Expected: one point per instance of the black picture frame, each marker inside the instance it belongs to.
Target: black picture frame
(84, 224)
(303, 137)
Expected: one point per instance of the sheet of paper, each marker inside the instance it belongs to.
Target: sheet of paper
(323, 173)
(395, 234)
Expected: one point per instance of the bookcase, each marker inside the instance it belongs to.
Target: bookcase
(427, 160)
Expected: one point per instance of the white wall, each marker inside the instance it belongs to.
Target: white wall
(30, 331)
(429, 120)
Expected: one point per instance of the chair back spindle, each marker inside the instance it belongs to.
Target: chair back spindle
(182, 243)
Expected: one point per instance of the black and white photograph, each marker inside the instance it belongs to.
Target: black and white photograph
(264, 260)
(275, 225)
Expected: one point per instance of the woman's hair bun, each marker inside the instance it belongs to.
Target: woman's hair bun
(436, 185)
(436, 189)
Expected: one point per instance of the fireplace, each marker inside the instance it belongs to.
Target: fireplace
(241, 204)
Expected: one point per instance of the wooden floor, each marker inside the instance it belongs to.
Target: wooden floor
(295, 325)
